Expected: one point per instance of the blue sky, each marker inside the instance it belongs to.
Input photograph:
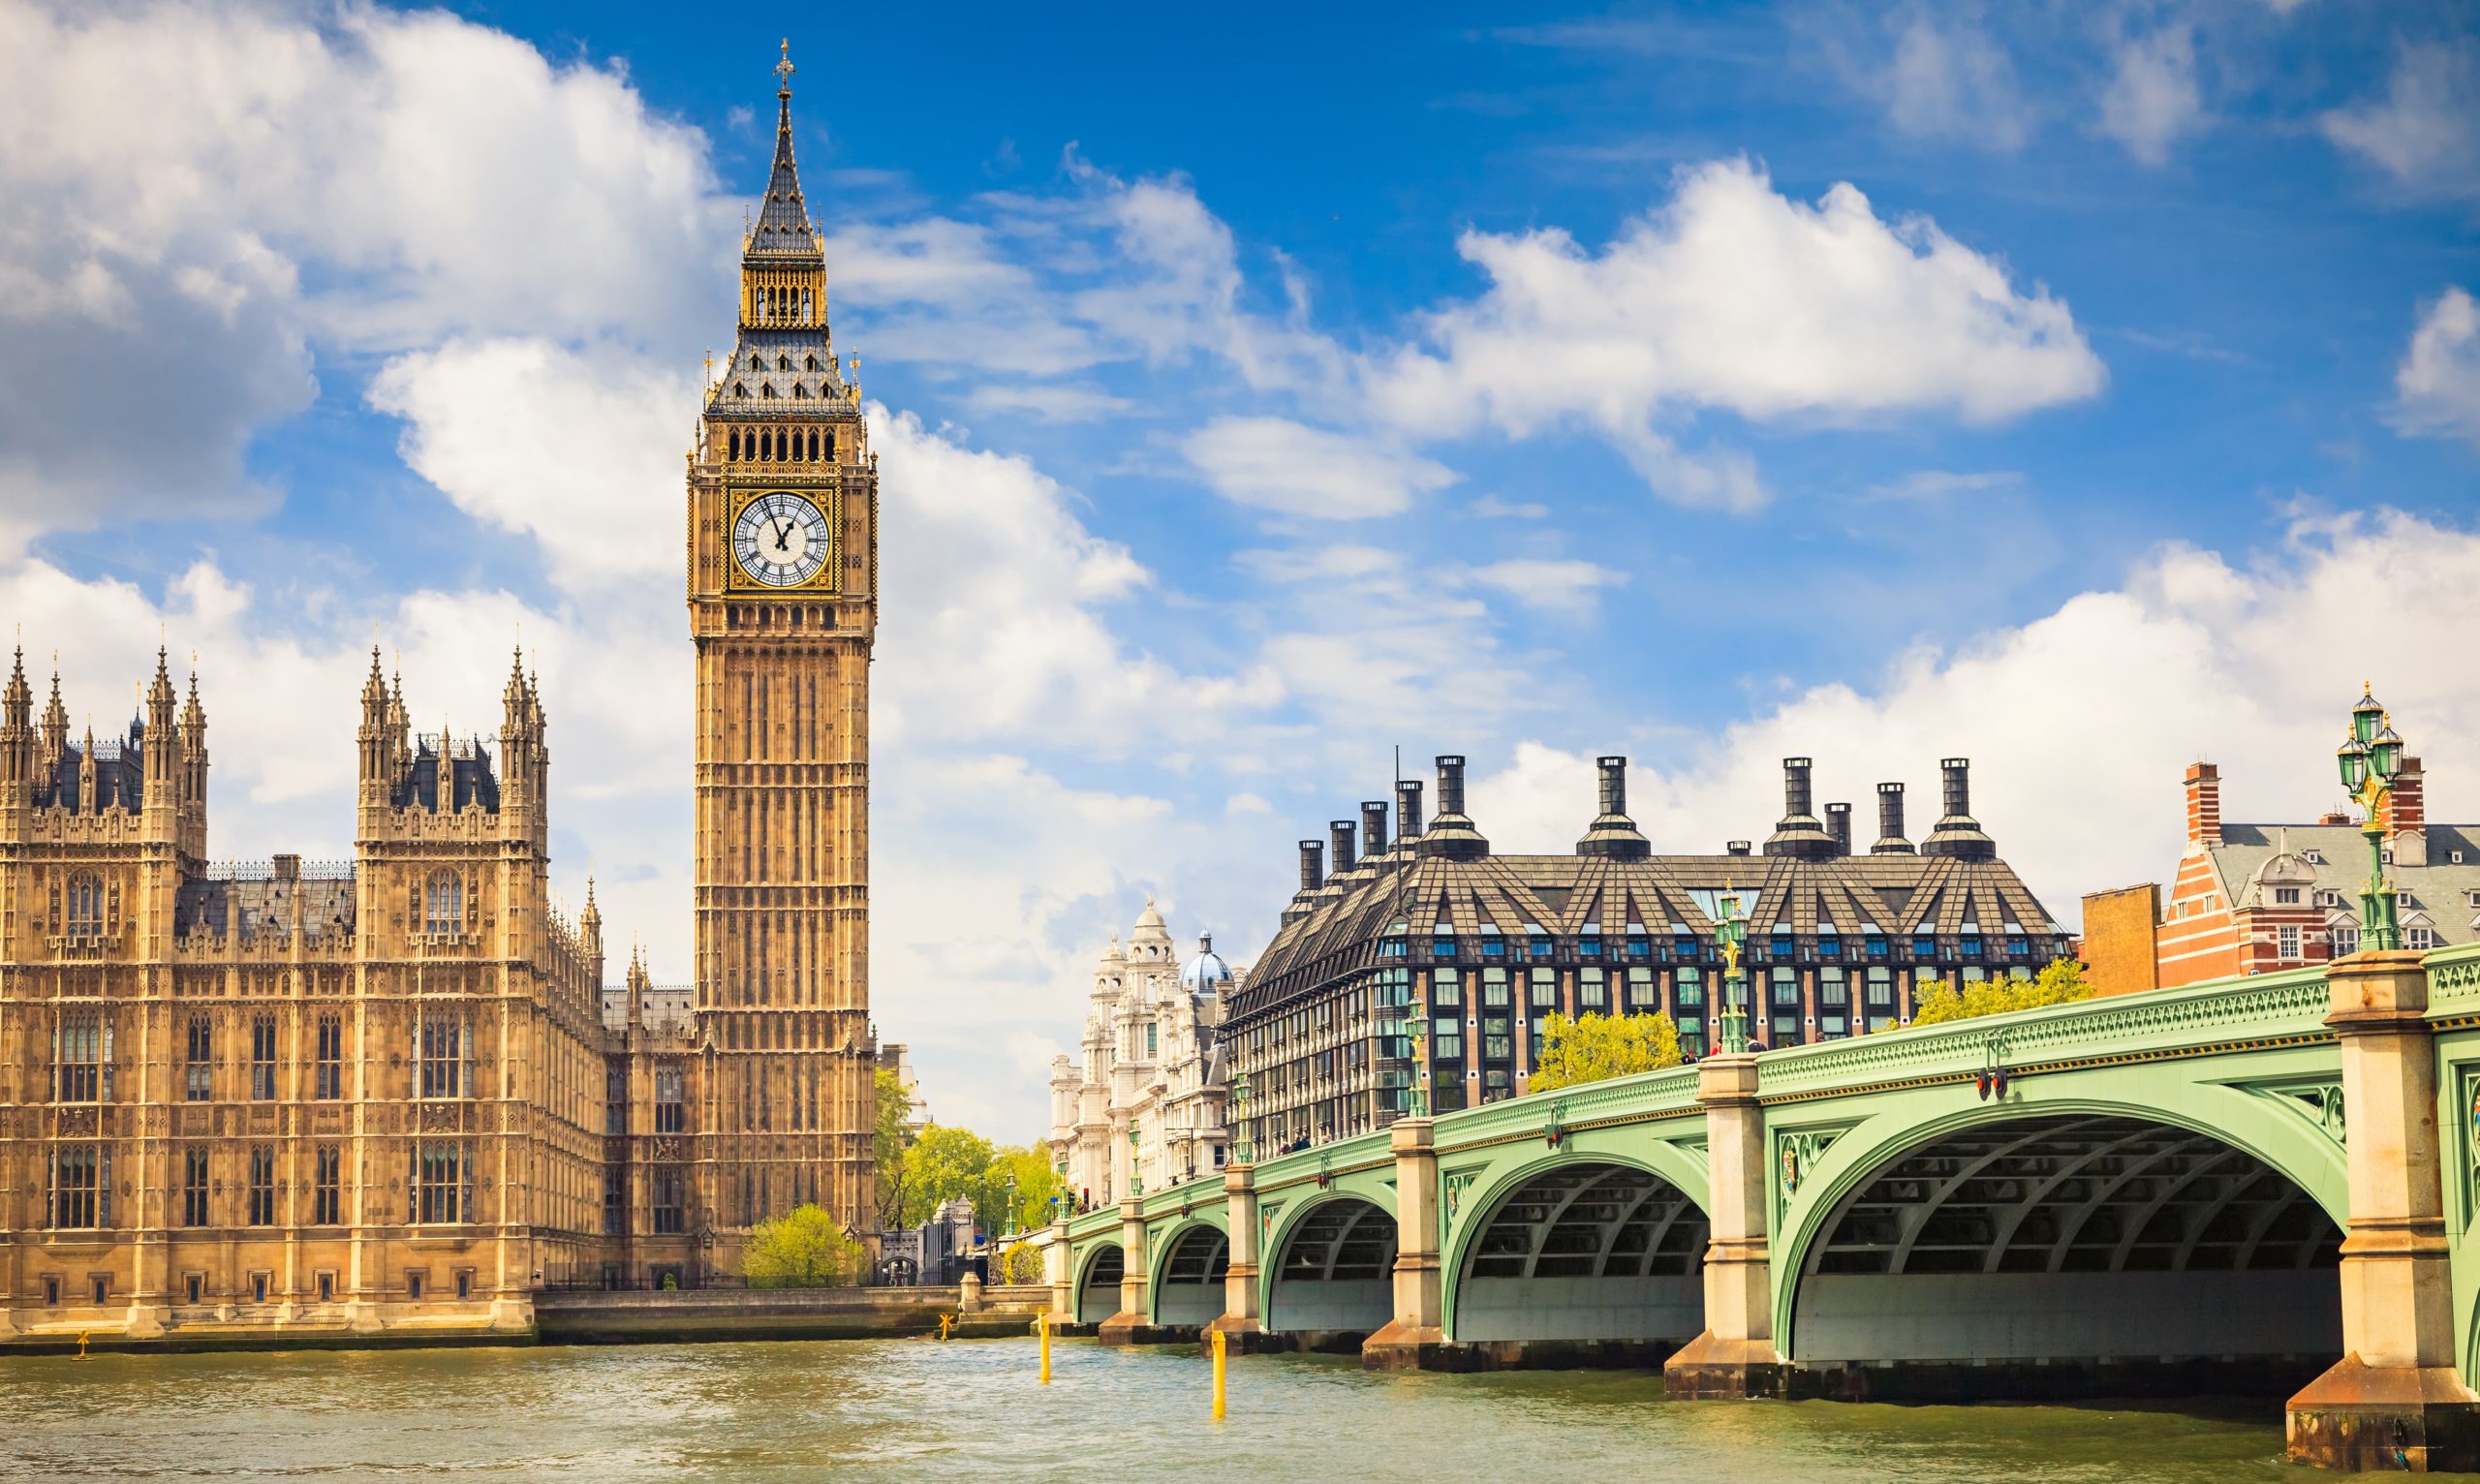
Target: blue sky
(2076, 388)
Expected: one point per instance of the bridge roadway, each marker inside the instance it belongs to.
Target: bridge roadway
(2167, 1197)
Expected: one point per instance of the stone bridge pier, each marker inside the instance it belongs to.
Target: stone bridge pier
(1734, 1356)
(2396, 1400)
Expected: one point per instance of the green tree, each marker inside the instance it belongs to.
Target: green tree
(1020, 1265)
(805, 1249)
(889, 1141)
(1595, 1048)
(943, 1165)
(2060, 983)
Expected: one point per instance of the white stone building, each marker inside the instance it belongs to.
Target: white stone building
(1151, 1066)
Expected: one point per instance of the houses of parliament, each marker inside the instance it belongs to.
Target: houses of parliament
(393, 1092)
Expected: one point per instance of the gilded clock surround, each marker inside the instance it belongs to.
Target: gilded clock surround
(826, 579)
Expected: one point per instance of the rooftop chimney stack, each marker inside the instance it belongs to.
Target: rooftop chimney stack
(1734, 847)
(1800, 834)
(1373, 828)
(1958, 836)
(2204, 807)
(1890, 838)
(2407, 815)
(1838, 825)
(1407, 810)
(1451, 834)
(1313, 866)
(1341, 832)
(1613, 835)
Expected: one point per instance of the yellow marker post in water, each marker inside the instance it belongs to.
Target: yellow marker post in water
(946, 1322)
(1041, 1323)
(1218, 1338)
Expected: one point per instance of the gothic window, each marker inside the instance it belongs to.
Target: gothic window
(616, 1206)
(81, 1179)
(735, 443)
(194, 1209)
(667, 1215)
(671, 1114)
(440, 1178)
(262, 1184)
(809, 362)
(440, 1050)
(768, 391)
(330, 1073)
(740, 389)
(615, 1098)
(85, 904)
(444, 903)
(800, 393)
(755, 364)
(326, 1197)
(263, 1056)
(83, 1070)
(198, 1073)
(783, 363)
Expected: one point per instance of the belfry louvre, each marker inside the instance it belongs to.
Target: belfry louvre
(1420, 968)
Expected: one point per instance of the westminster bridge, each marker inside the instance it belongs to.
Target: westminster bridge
(2261, 1183)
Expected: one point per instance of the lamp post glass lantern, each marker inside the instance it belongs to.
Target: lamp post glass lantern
(1135, 1168)
(2369, 759)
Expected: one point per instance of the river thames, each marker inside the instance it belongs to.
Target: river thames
(916, 1409)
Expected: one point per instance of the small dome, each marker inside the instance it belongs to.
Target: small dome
(1207, 973)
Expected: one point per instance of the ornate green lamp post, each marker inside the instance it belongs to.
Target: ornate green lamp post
(1421, 1088)
(2369, 759)
(1241, 1150)
(1135, 1166)
(1730, 931)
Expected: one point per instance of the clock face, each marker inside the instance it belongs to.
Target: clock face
(781, 539)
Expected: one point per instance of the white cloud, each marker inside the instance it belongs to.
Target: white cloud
(1559, 586)
(2092, 713)
(2439, 383)
(1734, 297)
(1276, 464)
(157, 255)
(2151, 98)
(581, 449)
(993, 607)
(2425, 130)
(1948, 78)
(1935, 485)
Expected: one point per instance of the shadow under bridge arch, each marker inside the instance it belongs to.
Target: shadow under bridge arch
(2102, 1250)
(1098, 1291)
(1590, 1251)
(1335, 1274)
(1190, 1288)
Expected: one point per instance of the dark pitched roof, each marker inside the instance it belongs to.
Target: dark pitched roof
(1564, 895)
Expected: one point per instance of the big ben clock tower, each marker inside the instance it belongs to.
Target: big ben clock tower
(782, 603)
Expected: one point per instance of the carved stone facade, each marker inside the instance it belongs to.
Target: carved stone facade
(342, 1097)
(1151, 1067)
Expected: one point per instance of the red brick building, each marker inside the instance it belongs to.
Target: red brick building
(2252, 898)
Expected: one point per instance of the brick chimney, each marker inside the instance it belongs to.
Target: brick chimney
(2407, 815)
(2204, 807)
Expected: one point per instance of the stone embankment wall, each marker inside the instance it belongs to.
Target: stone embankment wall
(597, 1317)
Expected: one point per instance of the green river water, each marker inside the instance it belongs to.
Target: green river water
(968, 1411)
